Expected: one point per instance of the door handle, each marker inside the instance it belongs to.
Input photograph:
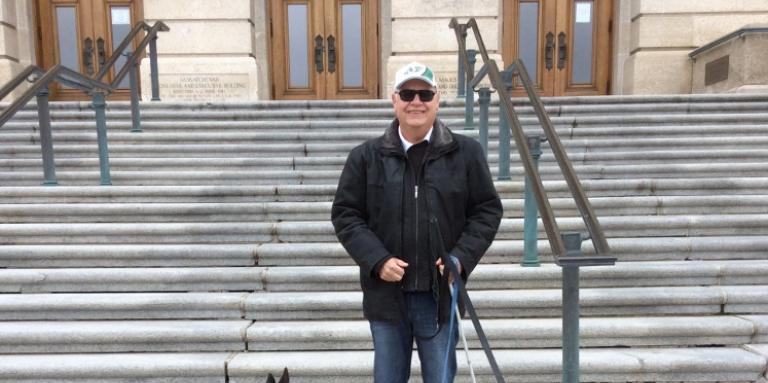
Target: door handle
(319, 53)
(562, 50)
(549, 50)
(88, 55)
(102, 51)
(331, 54)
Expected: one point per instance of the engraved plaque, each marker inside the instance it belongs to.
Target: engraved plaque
(716, 70)
(204, 87)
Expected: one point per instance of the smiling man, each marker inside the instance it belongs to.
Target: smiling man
(390, 190)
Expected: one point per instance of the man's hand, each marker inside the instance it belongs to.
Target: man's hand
(393, 270)
(440, 266)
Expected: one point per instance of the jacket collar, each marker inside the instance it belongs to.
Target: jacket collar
(442, 139)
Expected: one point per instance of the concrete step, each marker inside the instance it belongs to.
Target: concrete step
(115, 368)
(346, 278)
(58, 255)
(582, 150)
(356, 133)
(705, 364)
(69, 164)
(55, 337)
(693, 169)
(533, 333)
(321, 211)
(643, 301)
(340, 305)
(307, 193)
(298, 232)
(451, 108)
(597, 365)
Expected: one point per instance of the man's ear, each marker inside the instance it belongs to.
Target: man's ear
(394, 99)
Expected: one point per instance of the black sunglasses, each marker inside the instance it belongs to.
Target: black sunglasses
(425, 95)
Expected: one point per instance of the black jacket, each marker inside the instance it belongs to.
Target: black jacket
(367, 212)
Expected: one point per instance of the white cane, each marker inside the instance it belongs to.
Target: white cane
(464, 340)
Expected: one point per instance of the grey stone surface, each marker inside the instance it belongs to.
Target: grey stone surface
(531, 333)
(114, 368)
(122, 336)
(121, 306)
(597, 365)
(227, 223)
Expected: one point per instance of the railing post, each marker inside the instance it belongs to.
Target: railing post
(469, 103)
(133, 83)
(153, 69)
(46, 137)
(484, 99)
(100, 105)
(504, 131)
(531, 221)
(462, 78)
(571, 310)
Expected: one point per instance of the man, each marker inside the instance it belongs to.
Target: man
(391, 193)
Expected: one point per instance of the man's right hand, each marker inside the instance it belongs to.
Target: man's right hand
(392, 270)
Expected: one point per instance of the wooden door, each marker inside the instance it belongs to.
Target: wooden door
(81, 35)
(564, 44)
(324, 49)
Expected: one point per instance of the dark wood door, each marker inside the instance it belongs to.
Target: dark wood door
(81, 35)
(564, 44)
(324, 49)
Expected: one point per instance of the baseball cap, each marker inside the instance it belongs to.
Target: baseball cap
(414, 71)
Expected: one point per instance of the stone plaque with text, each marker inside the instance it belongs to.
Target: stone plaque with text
(204, 87)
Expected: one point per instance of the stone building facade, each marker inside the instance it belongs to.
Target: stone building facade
(323, 49)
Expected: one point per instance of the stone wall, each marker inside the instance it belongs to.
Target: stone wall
(420, 32)
(662, 33)
(208, 55)
(17, 49)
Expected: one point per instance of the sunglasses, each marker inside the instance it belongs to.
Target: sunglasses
(425, 95)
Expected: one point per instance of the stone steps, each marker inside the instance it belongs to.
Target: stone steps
(65, 255)
(723, 364)
(307, 231)
(614, 158)
(694, 169)
(345, 305)
(455, 109)
(345, 278)
(45, 212)
(220, 263)
(55, 337)
(305, 193)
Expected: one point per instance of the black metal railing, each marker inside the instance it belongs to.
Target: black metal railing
(566, 247)
(96, 87)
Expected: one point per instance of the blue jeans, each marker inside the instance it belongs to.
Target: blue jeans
(393, 343)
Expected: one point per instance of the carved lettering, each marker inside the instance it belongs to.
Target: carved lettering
(204, 87)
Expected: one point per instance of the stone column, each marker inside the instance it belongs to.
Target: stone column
(16, 41)
(664, 32)
(435, 44)
(208, 53)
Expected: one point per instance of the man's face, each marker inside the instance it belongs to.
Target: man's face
(416, 115)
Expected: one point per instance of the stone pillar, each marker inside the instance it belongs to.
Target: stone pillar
(208, 55)
(16, 41)
(436, 43)
(664, 32)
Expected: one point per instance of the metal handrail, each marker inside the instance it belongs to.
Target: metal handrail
(132, 60)
(491, 69)
(57, 73)
(97, 88)
(159, 26)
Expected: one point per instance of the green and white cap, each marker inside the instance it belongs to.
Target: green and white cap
(414, 71)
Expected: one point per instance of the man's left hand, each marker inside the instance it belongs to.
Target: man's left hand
(440, 266)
